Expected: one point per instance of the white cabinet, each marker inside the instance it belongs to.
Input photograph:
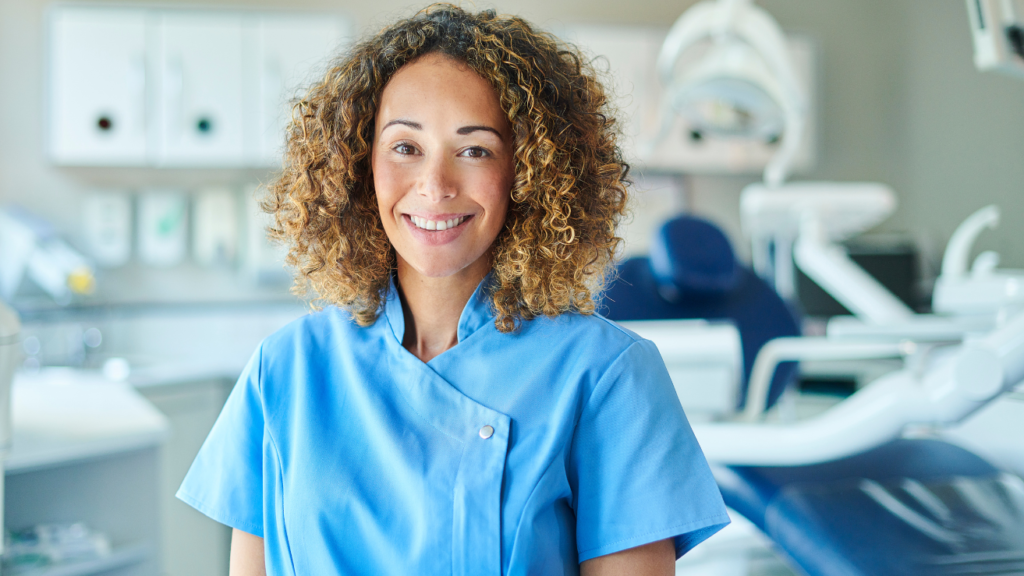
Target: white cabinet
(97, 86)
(199, 99)
(179, 88)
(84, 449)
(289, 51)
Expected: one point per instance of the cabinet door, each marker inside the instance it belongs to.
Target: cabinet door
(290, 52)
(97, 86)
(199, 100)
(193, 545)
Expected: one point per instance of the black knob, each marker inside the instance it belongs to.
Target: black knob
(1015, 34)
(204, 125)
(104, 123)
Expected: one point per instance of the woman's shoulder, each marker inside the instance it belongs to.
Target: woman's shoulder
(326, 327)
(586, 332)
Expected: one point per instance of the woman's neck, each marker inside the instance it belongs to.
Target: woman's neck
(433, 306)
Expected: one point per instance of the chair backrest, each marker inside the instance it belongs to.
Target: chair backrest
(692, 272)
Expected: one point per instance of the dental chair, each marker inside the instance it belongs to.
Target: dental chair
(903, 507)
(692, 273)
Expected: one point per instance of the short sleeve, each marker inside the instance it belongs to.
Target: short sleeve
(637, 473)
(225, 481)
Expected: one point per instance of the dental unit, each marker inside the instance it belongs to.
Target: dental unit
(871, 485)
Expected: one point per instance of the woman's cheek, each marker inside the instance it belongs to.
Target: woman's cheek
(387, 189)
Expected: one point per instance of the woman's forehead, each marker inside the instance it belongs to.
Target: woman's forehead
(436, 91)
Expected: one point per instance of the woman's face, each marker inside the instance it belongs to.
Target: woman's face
(442, 166)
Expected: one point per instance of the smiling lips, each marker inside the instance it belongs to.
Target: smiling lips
(436, 225)
(438, 230)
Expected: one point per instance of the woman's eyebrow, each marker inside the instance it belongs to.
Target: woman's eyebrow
(470, 129)
(409, 123)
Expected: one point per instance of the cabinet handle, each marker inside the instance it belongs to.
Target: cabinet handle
(105, 123)
(205, 125)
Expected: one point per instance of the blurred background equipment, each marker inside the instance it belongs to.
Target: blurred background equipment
(997, 28)
(215, 229)
(699, 99)
(163, 227)
(10, 339)
(31, 247)
(743, 86)
(107, 228)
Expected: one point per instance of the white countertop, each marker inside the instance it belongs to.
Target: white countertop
(61, 415)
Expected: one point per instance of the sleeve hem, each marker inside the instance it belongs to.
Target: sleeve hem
(217, 516)
(707, 526)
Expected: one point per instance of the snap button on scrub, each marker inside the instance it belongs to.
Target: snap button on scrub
(486, 432)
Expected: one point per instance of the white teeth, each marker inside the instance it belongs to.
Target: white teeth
(438, 225)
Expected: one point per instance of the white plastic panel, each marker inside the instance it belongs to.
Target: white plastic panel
(215, 227)
(97, 86)
(629, 54)
(107, 228)
(289, 52)
(200, 97)
(162, 227)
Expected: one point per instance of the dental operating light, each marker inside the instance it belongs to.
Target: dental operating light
(997, 30)
(743, 85)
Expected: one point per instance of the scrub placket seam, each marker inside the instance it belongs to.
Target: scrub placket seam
(458, 482)
(526, 503)
(280, 466)
(284, 523)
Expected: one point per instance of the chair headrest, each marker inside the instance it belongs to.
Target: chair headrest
(690, 255)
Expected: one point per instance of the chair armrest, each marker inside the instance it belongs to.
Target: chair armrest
(808, 348)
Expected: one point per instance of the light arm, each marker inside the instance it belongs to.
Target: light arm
(246, 555)
(654, 559)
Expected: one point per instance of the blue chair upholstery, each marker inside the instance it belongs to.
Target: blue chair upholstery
(907, 508)
(692, 273)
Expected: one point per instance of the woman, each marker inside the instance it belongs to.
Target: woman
(451, 192)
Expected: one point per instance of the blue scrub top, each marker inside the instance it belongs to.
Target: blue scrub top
(522, 453)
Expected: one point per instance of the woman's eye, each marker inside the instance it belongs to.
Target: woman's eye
(405, 149)
(475, 152)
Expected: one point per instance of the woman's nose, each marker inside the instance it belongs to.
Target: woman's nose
(437, 181)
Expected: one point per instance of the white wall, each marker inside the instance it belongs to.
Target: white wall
(900, 100)
(962, 144)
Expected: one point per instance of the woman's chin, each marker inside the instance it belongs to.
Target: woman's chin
(435, 268)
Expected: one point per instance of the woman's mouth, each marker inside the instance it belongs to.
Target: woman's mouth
(437, 229)
(436, 225)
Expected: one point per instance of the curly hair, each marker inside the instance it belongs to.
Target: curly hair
(568, 195)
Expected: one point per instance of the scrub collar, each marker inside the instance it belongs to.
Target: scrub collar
(475, 315)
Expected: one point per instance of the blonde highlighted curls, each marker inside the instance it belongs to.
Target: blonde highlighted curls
(570, 179)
